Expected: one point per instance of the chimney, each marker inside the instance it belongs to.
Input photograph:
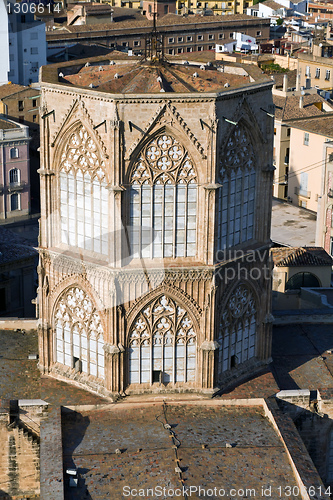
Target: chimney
(298, 82)
(285, 83)
(301, 103)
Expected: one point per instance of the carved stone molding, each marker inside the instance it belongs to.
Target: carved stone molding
(111, 349)
(167, 110)
(44, 172)
(78, 107)
(209, 345)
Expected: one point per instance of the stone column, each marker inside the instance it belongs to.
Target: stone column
(210, 204)
(112, 362)
(208, 348)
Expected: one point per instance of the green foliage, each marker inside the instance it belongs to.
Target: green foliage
(279, 21)
(273, 68)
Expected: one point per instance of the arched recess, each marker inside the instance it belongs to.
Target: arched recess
(82, 186)
(163, 196)
(162, 343)
(300, 280)
(237, 335)
(236, 203)
(78, 332)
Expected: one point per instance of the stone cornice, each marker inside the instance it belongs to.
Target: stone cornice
(209, 345)
(251, 88)
(44, 172)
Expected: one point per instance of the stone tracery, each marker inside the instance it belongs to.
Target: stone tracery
(236, 201)
(237, 329)
(162, 339)
(163, 201)
(163, 160)
(79, 333)
(83, 194)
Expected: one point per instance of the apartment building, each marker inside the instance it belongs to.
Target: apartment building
(198, 6)
(21, 104)
(14, 165)
(181, 35)
(291, 107)
(306, 164)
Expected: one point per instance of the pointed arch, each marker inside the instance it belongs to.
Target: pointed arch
(78, 332)
(236, 200)
(162, 343)
(237, 336)
(78, 113)
(163, 199)
(83, 191)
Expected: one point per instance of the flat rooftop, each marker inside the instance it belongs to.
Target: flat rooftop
(291, 225)
(20, 377)
(217, 446)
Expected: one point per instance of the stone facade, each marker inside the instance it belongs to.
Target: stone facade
(151, 295)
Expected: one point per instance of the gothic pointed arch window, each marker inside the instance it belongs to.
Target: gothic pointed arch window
(162, 344)
(237, 332)
(79, 334)
(236, 201)
(83, 194)
(163, 201)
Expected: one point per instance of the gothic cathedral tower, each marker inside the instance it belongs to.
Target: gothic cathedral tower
(156, 185)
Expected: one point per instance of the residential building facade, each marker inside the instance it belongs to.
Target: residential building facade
(324, 231)
(292, 107)
(306, 165)
(149, 183)
(184, 7)
(14, 173)
(21, 104)
(4, 44)
(181, 35)
(27, 47)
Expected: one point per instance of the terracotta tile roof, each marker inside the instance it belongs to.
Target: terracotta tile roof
(272, 5)
(5, 124)
(321, 125)
(11, 88)
(96, 8)
(168, 20)
(140, 78)
(287, 108)
(300, 256)
(278, 78)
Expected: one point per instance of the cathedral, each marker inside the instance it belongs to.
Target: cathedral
(156, 182)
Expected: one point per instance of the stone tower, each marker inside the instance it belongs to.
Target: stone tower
(156, 185)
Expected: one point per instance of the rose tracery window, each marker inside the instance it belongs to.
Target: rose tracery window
(163, 201)
(79, 333)
(162, 345)
(236, 202)
(83, 194)
(237, 336)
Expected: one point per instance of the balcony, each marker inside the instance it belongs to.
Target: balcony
(16, 186)
(302, 193)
